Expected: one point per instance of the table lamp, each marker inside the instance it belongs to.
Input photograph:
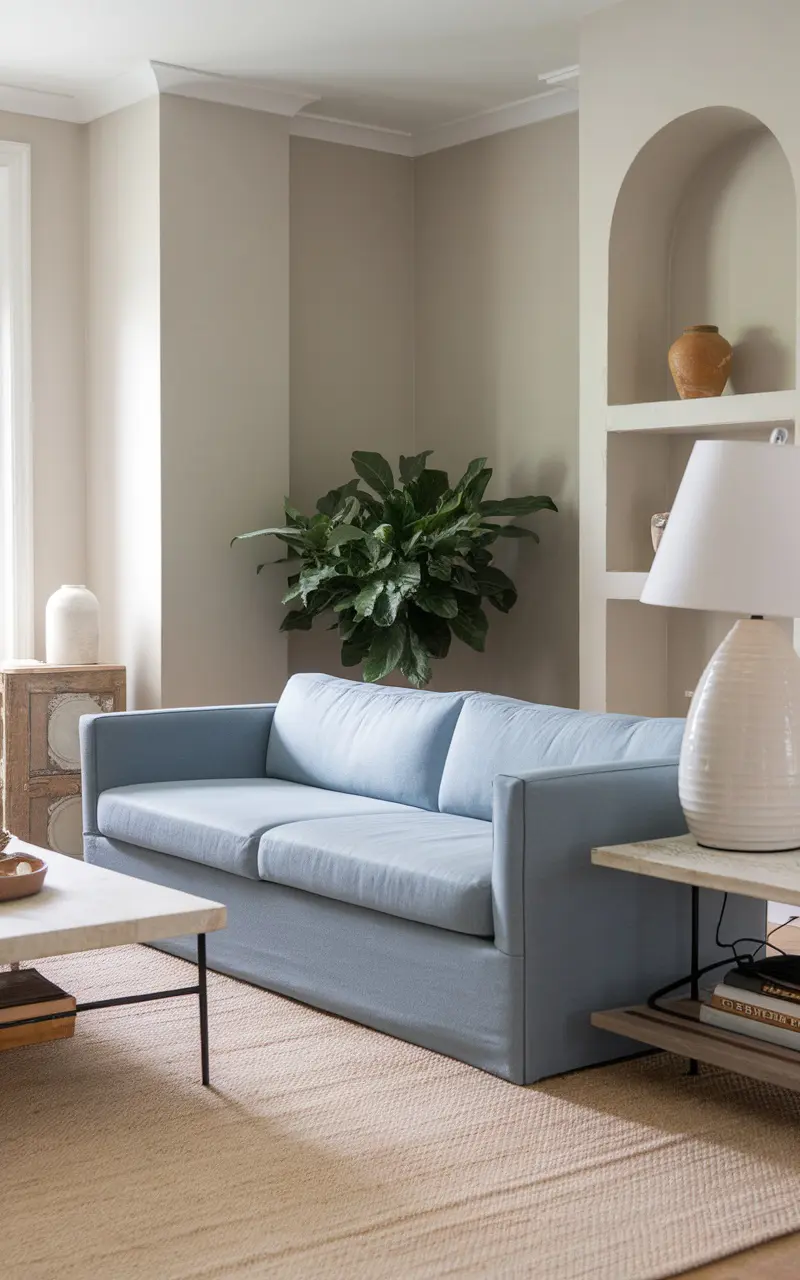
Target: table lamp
(732, 544)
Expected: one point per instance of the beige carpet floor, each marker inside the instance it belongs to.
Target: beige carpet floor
(325, 1150)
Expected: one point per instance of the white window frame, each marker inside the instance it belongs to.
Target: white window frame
(16, 404)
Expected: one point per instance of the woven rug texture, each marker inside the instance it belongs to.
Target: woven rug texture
(326, 1151)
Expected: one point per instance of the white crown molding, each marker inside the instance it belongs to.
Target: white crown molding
(346, 133)
(188, 83)
(154, 78)
(147, 81)
(118, 93)
(561, 75)
(542, 106)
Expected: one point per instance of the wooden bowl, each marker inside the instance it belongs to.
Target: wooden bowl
(12, 884)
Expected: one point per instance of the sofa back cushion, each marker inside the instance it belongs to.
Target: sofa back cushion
(370, 740)
(500, 735)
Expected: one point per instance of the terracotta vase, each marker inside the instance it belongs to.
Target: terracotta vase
(700, 362)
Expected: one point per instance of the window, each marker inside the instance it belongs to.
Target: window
(16, 478)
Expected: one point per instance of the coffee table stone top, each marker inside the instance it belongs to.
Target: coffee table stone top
(82, 907)
(774, 876)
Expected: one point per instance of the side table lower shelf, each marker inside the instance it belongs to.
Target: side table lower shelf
(666, 1029)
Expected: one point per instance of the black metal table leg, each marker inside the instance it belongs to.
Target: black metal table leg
(202, 998)
(695, 978)
(200, 990)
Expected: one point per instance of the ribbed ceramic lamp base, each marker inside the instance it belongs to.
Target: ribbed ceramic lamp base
(739, 778)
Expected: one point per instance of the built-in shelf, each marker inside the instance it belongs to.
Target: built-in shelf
(624, 586)
(716, 413)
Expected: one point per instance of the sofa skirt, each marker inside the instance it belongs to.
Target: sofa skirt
(446, 991)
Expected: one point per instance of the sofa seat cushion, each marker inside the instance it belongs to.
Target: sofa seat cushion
(497, 735)
(219, 821)
(430, 867)
(371, 740)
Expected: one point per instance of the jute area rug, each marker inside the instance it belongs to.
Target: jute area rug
(325, 1150)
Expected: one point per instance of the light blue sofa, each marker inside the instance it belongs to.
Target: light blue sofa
(415, 861)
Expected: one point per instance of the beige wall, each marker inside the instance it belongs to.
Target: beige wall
(124, 455)
(496, 373)
(352, 327)
(183, 216)
(58, 174)
(225, 396)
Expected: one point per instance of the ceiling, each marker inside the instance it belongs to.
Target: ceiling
(405, 65)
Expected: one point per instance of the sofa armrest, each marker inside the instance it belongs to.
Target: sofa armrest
(126, 747)
(592, 937)
(546, 823)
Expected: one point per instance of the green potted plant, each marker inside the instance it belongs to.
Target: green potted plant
(401, 568)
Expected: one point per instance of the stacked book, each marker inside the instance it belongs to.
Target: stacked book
(25, 993)
(760, 999)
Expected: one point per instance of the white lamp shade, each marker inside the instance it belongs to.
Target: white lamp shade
(732, 541)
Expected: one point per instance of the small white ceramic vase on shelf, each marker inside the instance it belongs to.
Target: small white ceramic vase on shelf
(72, 627)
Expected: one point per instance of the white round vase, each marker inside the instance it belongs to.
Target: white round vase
(72, 627)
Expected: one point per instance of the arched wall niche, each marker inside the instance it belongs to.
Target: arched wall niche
(704, 232)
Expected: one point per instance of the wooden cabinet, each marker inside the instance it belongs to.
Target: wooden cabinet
(40, 707)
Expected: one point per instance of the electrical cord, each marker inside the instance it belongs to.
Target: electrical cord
(748, 957)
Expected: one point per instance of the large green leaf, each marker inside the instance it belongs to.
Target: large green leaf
(445, 541)
(374, 471)
(464, 580)
(471, 627)
(515, 531)
(310, 579)
(344, 533)
(352, 653)
(498, 587)
(440, 567)
(332, 500)
(297, 620)
(384, 612)
(376, 566)
(493, 579)
(348, 511)
(406, 576)
(474, 469)
(412, 468)
(399, 512)
(280, 531)
(401, 583)
(428, 489)
(517, 506)
(438, 600)
(365, 600)
(295, 555)
(434, 632)
(415, 663)
(474, 491)
(385, 652)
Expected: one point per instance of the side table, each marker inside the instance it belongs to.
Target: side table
(40, 778)
(676, 1026)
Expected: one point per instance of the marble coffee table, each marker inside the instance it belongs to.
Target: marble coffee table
(82, 907)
